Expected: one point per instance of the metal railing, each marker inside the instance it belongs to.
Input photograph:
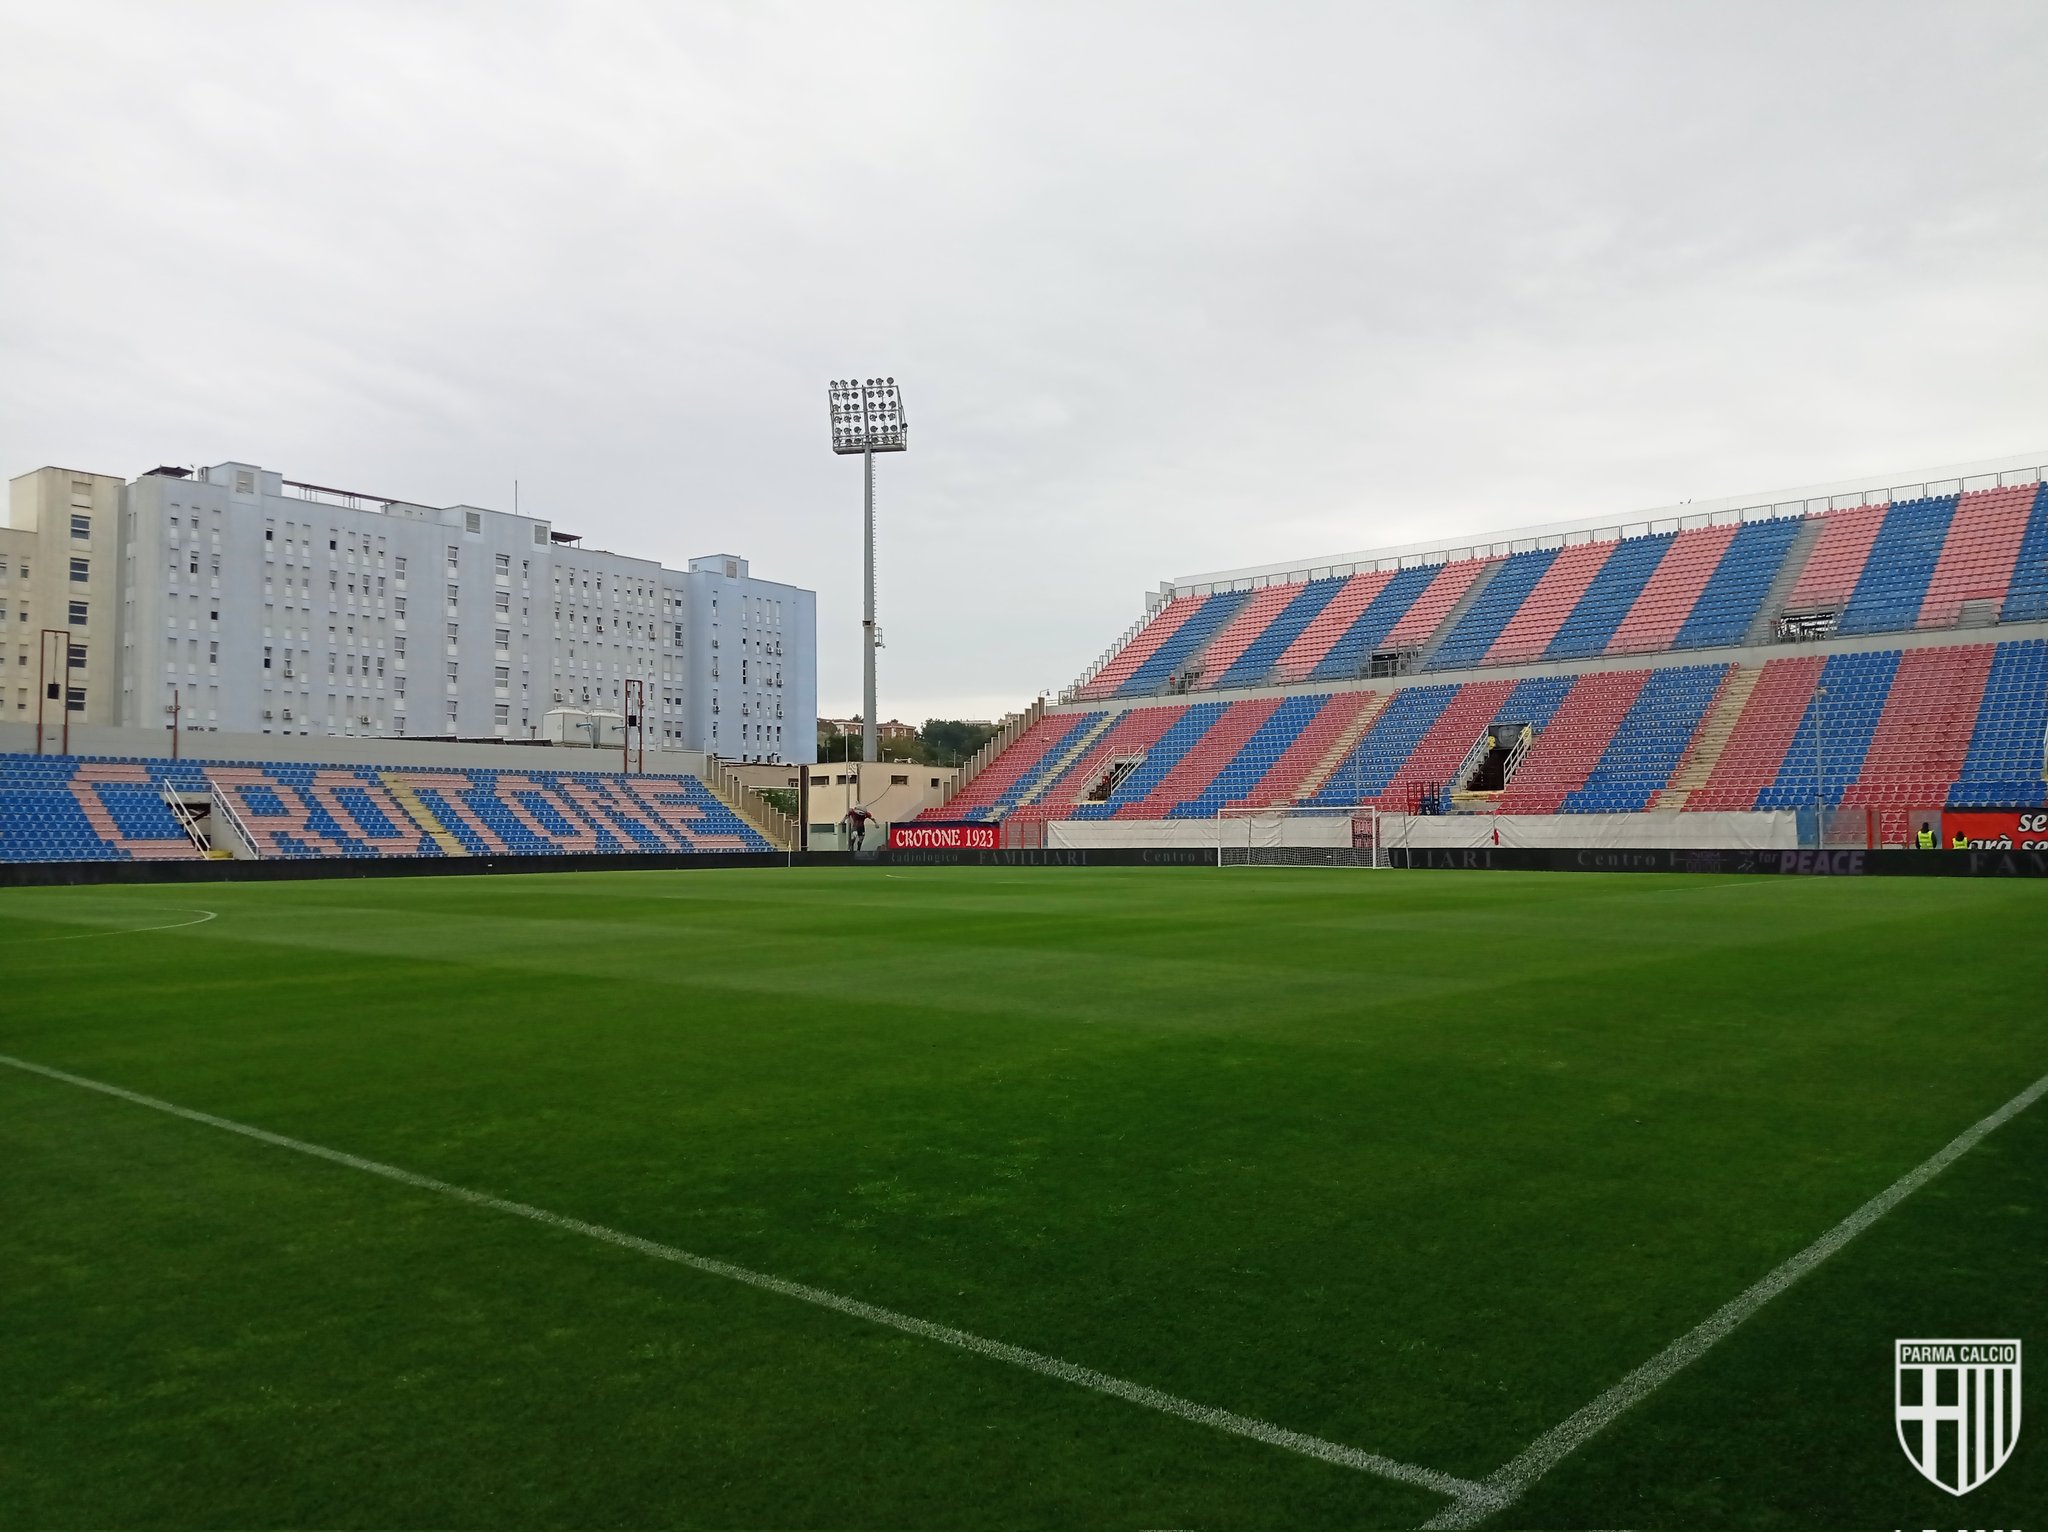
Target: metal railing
(1507, 767)
(223, 803)
(1073, 693)
(776, 827)
(1681, 521)
(187, 820)
(997, 743)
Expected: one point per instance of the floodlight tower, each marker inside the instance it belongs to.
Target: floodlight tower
(867, 417)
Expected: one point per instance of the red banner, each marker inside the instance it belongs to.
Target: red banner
(1996, 829)
(942, 837)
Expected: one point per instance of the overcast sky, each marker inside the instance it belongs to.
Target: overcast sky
(1169, 287)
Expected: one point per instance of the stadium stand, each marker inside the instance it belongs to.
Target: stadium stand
(1610, 597)
(2002, 768)
(1488, 617)
(1934, 562)
(1943, 725)
(1892, 588)
(1978, 557)
(2027, 596)
(66, 808)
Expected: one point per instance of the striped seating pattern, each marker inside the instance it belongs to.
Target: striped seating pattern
(1892, 588)
(1884, 568)
(64, 808)
(1956, 723)
(2027, 599)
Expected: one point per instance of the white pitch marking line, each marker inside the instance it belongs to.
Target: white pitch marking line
(1016, 1356)
(1513, 1479)
(204, 917)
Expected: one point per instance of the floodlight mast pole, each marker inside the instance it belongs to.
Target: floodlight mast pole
(871, 739)
(867, 417)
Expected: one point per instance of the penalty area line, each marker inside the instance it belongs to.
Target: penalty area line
(1514, 1478)
(1461, 1490)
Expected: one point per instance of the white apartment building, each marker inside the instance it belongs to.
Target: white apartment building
(259, 604)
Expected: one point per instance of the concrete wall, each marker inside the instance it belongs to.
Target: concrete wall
(108, 740)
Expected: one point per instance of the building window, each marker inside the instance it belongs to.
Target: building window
(398, 606)
(454, 632)
(504, 675)
(74, 699)
(81, 527)
(77, 618)
(451, 712)
(452, 677)
(505, 565)
(75, 656)
(453, 593)
(472, 521)
(454, 556)
(81, 570)
(504, 602)
(266, 656)
(398, 566)
(502, 712)
(398, 646)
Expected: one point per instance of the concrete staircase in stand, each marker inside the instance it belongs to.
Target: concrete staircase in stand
(1704, 753)
(1342, 746)
(1456, 614)
(1060, 767)
(422, 816)
(1764, 629)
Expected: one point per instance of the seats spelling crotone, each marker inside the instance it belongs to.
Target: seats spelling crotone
(1372, 686)
(66, 808)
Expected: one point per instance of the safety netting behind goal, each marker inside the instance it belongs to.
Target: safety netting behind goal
(1336, 836)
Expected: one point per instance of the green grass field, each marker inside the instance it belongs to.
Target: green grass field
(1418, 1164)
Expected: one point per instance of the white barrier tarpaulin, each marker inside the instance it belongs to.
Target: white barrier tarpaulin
(1237, 830)
(1778, 831)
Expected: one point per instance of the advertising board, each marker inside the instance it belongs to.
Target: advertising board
(1996, 829)
(927, 836)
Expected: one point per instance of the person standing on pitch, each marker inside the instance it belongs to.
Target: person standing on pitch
(857, 821)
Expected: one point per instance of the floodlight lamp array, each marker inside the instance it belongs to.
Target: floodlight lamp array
(867, 416)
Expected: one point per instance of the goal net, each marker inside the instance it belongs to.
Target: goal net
(1341, 835)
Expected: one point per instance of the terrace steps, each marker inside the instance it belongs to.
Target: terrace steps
(1345, 742)
(1449, 624)
(1765, 627)
(424, 817)
(1704, 754)
(1073, 753)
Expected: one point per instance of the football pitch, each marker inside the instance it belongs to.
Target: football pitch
(981, 1197)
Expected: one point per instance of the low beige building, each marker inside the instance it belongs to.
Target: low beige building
(60, 532)
(892, 791)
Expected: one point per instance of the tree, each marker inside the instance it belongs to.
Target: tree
(950, 741)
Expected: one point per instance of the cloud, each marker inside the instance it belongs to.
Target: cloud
(1169, 287)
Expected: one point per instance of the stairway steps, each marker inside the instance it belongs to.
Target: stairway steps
(1704, 753)
(1074, 753)
(1765, 628)
(422, 816)
(1341, 746)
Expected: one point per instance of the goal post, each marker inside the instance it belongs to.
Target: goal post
(1301, 835)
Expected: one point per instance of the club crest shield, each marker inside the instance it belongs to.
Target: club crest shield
(1957, 1405)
